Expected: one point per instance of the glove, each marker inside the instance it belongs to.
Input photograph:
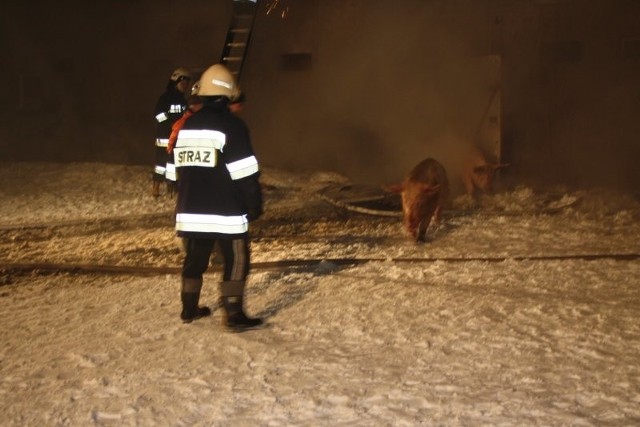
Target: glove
(253, 214)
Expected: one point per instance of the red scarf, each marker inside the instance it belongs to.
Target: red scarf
(175, 129)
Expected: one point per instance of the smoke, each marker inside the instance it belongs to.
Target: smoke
(386, 87)
(386, 84)
(367, 88)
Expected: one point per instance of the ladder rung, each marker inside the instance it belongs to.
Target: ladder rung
(242, 19)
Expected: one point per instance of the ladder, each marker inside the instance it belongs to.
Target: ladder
(239, 35)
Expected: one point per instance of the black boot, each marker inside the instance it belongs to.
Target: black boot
(235, 318)
(190, 309)
(190, 296)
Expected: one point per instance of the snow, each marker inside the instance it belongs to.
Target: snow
(521, 312)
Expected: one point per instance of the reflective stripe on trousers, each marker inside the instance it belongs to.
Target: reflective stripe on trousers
(235, 253)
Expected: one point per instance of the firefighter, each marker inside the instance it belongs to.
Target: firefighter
(169, 108)
(219, 194)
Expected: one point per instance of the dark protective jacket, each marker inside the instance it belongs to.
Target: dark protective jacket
(218, 190)
(169, 108)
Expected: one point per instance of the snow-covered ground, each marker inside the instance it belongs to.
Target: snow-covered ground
(523, 312)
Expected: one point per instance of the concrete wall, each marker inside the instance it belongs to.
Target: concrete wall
(364, 87)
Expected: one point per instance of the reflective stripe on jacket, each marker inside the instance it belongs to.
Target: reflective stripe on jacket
(219, 174)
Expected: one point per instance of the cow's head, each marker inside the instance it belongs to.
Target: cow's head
(483, 175)
(418, 205)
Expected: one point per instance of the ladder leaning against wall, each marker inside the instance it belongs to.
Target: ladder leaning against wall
(236, 44)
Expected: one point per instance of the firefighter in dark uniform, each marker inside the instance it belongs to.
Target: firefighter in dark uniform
(218, 195)
(169, 108)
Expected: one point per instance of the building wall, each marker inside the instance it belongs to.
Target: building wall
(83, 77)
(364, 87)
(384, 84)
(574, 93)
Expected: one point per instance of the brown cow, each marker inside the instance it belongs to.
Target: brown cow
(424, 191)
(477, 172)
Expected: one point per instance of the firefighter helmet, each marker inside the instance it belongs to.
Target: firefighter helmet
(195, 89)
(180, 74)
(217, 80)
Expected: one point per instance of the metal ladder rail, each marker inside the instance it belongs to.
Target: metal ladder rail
(236, 44)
